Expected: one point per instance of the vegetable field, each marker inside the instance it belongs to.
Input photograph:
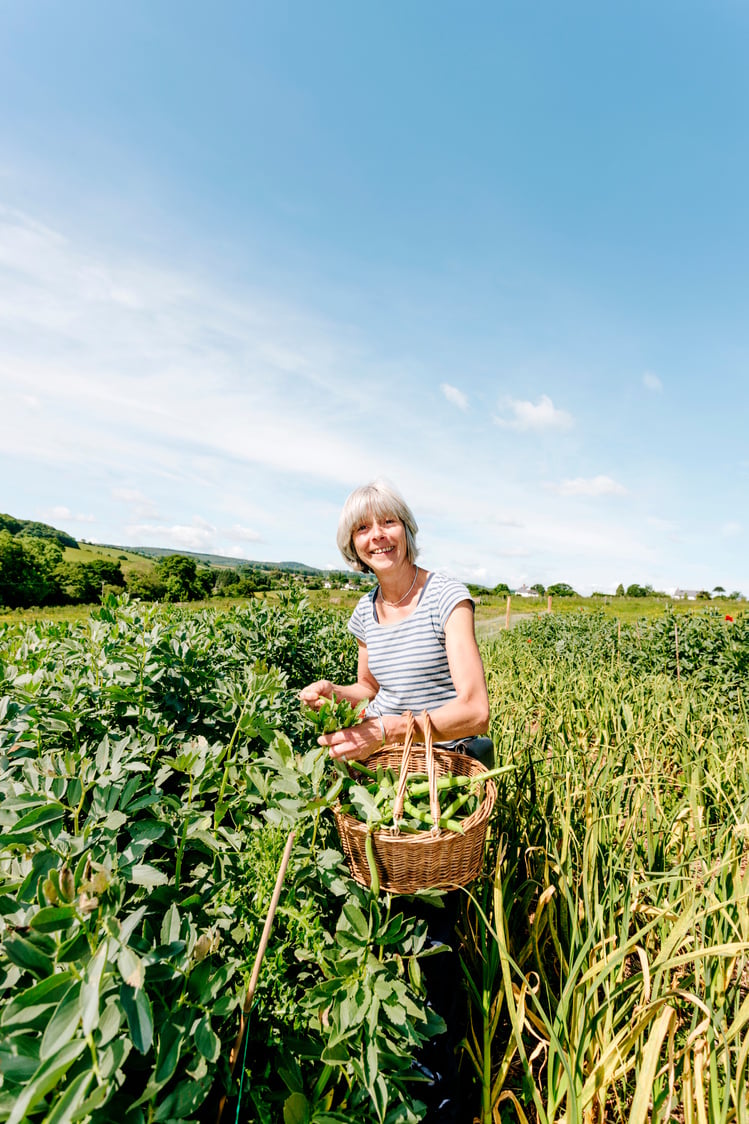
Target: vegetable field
(153, 761)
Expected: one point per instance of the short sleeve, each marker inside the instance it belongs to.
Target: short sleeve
(357, 621)
(450, 595)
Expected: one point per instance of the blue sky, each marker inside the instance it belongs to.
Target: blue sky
(255, 254)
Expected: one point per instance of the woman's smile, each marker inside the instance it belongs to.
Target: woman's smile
(379, 539)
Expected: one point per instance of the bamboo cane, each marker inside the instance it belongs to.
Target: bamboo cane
(250, 994)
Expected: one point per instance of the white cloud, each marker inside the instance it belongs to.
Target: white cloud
(452, 394)
(731, 529)
(198, 536)
(64, 514)
(589, 486)
(172, 393)
(179, 370)
(141, 507)
(652, 382)
(246, 534)
(521, 415)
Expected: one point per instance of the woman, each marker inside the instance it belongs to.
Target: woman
(415, 630)
(417, 651)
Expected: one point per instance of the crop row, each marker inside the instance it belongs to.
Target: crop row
(153, 762)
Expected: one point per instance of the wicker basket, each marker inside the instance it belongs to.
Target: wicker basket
(431, 859)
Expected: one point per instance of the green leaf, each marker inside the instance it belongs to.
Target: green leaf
(170, 925)
(47, 1076)
(24, 1008)
(131, 968)
(109, 1022)
(66, 1108)
(170, 1045)
(53, 918)
(114, 821)
(74, 948)
(182, 1102)
(90, 989)
(379, 1094)
(143, 874)
(356, 921)
(26, 955)
(19, 1060)
(62, 1026)
(207, 1041)
(113, 1056)
(98, 1097)
(296, 1109)
(137, 1007)
(39, 817)
(131, 923)
(41, 864)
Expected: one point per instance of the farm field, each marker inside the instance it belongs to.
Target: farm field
(490, 608)
(153, 761)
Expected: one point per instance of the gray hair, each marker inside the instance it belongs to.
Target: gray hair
(381, 500)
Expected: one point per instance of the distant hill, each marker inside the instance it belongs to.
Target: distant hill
(33, 530)
(214, 559)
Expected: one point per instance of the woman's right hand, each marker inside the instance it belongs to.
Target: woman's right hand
(313, 694)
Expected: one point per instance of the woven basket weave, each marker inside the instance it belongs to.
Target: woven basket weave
(431, 859)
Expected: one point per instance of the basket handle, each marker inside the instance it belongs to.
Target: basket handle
(400, 795)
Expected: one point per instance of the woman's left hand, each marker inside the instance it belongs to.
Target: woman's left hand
(355, 743)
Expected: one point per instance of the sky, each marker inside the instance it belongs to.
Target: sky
(255, 254)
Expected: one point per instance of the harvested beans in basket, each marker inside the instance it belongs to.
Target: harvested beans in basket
(417, 817)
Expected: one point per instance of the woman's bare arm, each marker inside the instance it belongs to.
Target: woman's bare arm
(464, 716)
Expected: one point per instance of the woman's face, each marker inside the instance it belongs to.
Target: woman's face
(380, 543)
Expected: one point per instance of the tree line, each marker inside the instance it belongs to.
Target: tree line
(33, 572)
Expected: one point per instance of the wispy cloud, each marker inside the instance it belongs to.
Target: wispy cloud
(198, 536)
(652, 382)
(141, 507)
(523, 415)
(589, 486)
(65, 515)
(731, 529)
(132, 363)
(245, 534)
(455, 396)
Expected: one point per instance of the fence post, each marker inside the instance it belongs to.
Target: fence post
(507, 613)
(548, 604)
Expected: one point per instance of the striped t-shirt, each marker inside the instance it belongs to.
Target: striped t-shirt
(408, 659)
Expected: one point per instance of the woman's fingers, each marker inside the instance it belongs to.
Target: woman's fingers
(355, 743)
(314, 693)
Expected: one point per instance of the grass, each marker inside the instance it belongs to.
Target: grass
(89, 552)
(490, 609)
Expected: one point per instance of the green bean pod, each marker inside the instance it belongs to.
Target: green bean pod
(372, 863)
(446, 823)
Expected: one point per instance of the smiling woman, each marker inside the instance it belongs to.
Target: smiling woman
(415, 630)
(417, 652)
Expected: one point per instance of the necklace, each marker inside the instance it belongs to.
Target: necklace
(394, 604)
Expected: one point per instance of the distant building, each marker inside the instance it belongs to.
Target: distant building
(524, 591)
(686, 594)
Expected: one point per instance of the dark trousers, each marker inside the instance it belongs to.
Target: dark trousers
(448, 1092)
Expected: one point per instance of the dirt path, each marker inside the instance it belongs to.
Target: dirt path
(487, 629)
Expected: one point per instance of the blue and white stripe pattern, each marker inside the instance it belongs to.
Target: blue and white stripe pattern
(408, 659)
